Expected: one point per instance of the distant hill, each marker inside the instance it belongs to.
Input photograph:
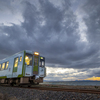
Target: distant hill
(86, 80)
(70, 81)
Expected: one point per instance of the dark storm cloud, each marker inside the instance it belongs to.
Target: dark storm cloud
(92, 9)
(10, 6)
(92, 21)
(93, 72)
(4, 5)
(52, 31)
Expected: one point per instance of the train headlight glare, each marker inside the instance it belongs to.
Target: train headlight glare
(36, 53)
(41, 57)
(26, 57)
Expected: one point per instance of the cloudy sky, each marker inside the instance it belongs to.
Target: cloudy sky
(66, 32)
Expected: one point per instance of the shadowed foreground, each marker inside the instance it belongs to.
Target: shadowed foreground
(33, 94)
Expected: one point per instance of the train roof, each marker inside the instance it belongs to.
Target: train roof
(27, 51)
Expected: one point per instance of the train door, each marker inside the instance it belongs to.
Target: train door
(36, 64)
(28, 64)
(15, 67)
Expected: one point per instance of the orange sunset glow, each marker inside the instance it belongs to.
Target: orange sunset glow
(92, 78)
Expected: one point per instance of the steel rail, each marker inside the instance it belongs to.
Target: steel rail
(67, 90)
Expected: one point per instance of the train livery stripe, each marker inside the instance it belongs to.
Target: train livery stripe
(3, 77)
(36, 63)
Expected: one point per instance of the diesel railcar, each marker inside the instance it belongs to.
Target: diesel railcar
(25, 67)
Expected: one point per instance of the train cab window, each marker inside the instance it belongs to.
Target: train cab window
(0, 66)
(42, 63)
(3, 66)
(20, 58)
(16, 62)
(28, 59)
(7, 65)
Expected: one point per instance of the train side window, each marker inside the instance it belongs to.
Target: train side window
(3, 66)
(20, 58)
(0, 66)
(16, 62)
(7, 65)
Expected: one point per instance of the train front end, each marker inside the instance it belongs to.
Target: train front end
(39, 69)
(35, 67)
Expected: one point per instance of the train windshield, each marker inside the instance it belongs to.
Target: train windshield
(28, 59)
(42, 62)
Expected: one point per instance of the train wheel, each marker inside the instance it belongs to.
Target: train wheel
(12, 84)
(37, 83)
(19, 85)
(29, 85)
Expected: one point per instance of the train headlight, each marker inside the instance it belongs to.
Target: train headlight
(41, 57)
(36, 53)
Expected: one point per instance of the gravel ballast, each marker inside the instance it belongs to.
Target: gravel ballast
(32, 94)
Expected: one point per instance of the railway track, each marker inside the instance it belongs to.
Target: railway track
(68, 90)
(58, 89)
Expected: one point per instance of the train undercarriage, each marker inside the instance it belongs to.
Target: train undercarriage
(22, 81)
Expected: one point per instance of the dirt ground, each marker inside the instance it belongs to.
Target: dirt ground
(71, 87)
